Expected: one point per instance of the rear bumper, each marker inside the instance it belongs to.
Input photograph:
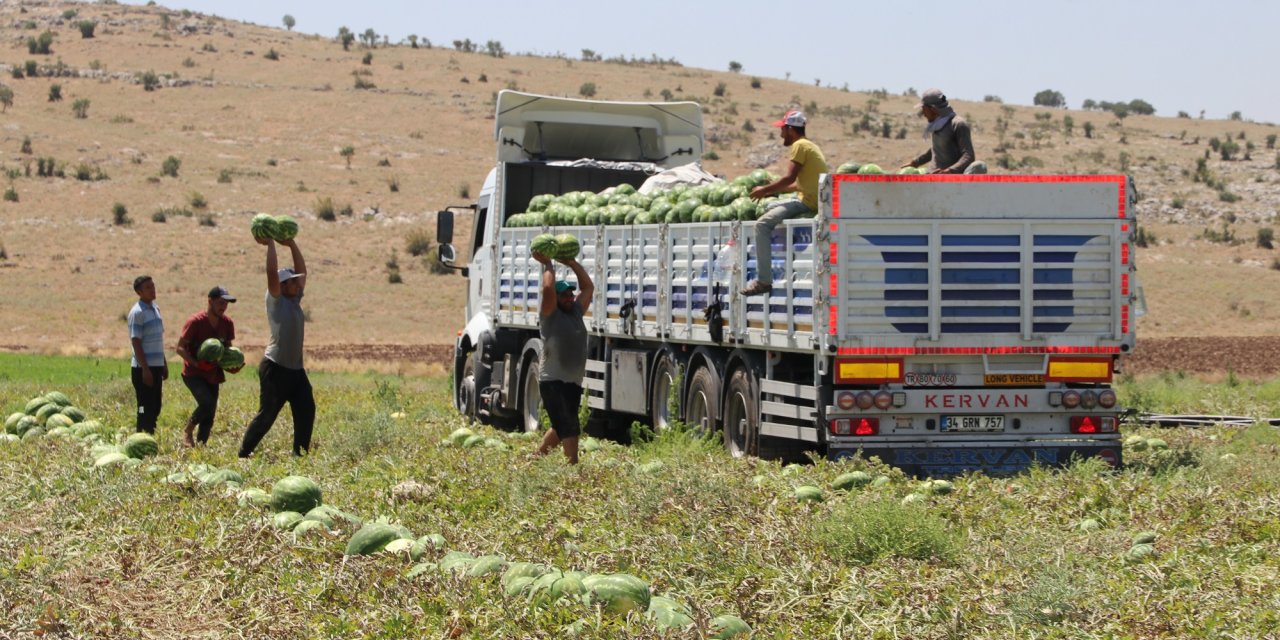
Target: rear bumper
(992, 460)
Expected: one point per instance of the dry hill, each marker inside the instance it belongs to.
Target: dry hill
(256, 119)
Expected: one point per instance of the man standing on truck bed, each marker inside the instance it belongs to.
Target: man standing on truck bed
(952, 148)
(564, 353)
(807, 163)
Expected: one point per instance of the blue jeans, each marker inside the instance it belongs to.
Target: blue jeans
(784, 210)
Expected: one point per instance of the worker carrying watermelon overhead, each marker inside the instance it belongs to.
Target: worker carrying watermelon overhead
(952, 144)
(806, 163)
(564, 351)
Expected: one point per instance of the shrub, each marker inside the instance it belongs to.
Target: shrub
(16, 72)
(755, 82)
(26, 144)
(368, 58)
(719, 90)
(417, 242)
(1227, 196)
(69, 14)
(361, 83)
(159, 216)
(1088, 129)
(1143, 238)
(393, 183)
(393, 276)
(347, 152)
(1271, 141)
(1266, 237)
(11, 194)
(587, 90)
(384, 162)
(289, 22)
(324, 209)
(55, 92)
(197, 200)
(464, 190)
(271, 54)
(80, 108)
(1178, 202)
(150, 80)
(31, 69)
(993, 98)
(1049, 98)
(120, 215)
(208, 48)
(42, 45)
(86, 28)
(206, 220)
(883, 528)
(170, 167)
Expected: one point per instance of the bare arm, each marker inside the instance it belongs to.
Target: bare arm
(299, 265)
(547, 289)
(781, 185)
(273, 266)
(586, 288)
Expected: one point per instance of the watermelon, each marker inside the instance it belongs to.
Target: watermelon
(567, 246)
(555, 585)
(33, 433)
(619, 592)
(335, 515)
(253, 497)
(58, 398)
(286, 520)
(306, 526)
(43, 413)
(140, 445)
(8, 437)
(58, 421)
(544, 244)
(420, 546)
(473, 441)
(1088, 525)
(286, 228)
(1156, 444)
(870, 169)
(110, 459)
(517, 586)
(222, 476)
(295, 493)
(371, 538)
(210, 350)
(11, 423)
(938, 487)
(74, 413)
(851, 480)
(624, 189)
(668, 613)
(909, 171)
(849, 167)
(1146, 537)
(232, 359)
(263, 226)
(529, 571)
(1139, 552)
(808, 493)
(485, 565)
(457, 561)
(728, 626)
(399, 545)
(34, 405)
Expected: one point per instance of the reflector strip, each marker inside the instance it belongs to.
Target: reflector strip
(1124, 284)
(868, 371)
(1124, 253)
(1079, 370)
(832, 315)
(970, 351)
(1124, 318)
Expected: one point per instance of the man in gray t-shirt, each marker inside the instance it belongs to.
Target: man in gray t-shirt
(564, 353)
(281, 377)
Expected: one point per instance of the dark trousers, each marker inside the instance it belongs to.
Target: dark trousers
(562, 401)
(206, 395)
(149, 398)
(280, 385)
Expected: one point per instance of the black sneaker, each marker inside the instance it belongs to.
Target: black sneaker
(755, 288)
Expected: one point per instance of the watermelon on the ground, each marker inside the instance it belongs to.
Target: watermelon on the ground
(485, 565)
(58, 421)
(59, 398)
(371, 538)
(727, 626)
(619, 592)
(669, 613)
(43, 413)
(253, 497)
(74, 413)
(286, 520)
(11, 423)
(110, 459)
(295, 493)
(34, 405)
(555, 585)
(210, 350)
(140, 445)
(808, 493)
(851, 480)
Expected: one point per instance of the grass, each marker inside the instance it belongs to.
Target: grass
(116, 553)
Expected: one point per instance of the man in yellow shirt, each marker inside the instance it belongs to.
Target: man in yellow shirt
(806, 164)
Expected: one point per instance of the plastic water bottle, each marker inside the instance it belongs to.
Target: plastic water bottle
(725, 260)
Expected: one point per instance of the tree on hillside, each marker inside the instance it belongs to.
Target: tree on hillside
(6, 98)
(735, 66)
(41, 45)
(346, 38)
(1141, 107)
(86, 28)
(369, 38)
(289, 22)
(494, 48)
(1089, 104)
(589, 55)
(464, 46)
(413, 41)
(1050, 98)
(346, 153)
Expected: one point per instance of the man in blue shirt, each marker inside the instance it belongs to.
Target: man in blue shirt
(149, 371)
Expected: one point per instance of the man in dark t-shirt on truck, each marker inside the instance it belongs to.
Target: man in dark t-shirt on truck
(564, 353)
(951, 142)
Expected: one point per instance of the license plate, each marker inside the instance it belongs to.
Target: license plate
(973, 423)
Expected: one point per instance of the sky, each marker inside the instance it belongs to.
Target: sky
(1217, 57)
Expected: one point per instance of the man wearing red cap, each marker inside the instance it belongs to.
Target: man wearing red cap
(806, 164)
(204, 378)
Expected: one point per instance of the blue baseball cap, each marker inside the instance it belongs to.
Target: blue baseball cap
(563, 286)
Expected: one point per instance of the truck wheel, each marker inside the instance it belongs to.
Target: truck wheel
(530, 398)
(742, 416)
(665, 372)
(466, 399)
(702, 402)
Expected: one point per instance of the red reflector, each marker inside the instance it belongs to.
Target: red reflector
(1083, 424)
(1124, 284)
(866, 427)
(1124, 253)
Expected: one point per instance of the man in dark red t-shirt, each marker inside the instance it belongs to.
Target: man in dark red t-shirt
(204, 378)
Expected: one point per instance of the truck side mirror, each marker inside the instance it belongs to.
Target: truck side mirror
(444, 227)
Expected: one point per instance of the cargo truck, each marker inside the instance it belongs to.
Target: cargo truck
(943, 324)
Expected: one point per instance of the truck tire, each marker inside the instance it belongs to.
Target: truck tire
(702, 401)
(530, 398)
(665, 374)
(466, 398)
(742, 415)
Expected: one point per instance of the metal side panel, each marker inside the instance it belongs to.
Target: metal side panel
(788, 389)
(790, 432)
(783, 410)
(784, 318)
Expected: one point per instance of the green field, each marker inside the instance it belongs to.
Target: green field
(122, 553)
